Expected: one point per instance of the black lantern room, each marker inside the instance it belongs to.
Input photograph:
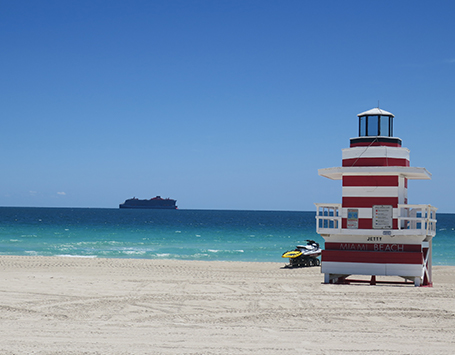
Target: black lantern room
(375, 129)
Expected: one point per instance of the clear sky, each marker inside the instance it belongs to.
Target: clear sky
(222, 104)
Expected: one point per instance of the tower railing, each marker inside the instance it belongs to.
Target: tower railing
(328, 216)
(412, 219)
(417, 217)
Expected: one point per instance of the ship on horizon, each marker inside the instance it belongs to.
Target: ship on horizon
(154, 203)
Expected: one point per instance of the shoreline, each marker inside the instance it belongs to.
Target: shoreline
(72, 305)
(69, 256)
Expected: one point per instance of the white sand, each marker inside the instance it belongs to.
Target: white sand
(117, 306)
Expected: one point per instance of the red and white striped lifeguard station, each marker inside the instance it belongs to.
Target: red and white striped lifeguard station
(374, 231)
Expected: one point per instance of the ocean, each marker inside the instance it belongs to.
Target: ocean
(223, 235)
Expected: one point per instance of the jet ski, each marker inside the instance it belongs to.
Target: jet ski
(304, 255)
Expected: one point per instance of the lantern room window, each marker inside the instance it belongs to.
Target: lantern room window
(376, 126)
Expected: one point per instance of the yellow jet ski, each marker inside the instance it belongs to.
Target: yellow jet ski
(304, 255)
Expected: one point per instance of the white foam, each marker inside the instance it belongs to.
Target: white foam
(76, 256)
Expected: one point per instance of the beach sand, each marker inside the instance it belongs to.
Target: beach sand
(57, 305)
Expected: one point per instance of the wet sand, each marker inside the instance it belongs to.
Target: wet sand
(52, 305)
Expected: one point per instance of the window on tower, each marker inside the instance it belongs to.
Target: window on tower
(376, 126)
(372, 125)
(385, 126)
(363, 126)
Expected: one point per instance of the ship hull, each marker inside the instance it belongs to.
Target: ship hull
(149, 207)
(156, 203)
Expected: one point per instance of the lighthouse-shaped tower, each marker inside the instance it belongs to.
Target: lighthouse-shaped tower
(374, 231)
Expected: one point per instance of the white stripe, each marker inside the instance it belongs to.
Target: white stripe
(370, 191)
(404, 269)
(365, 212)
(332, 267)
(375, 152)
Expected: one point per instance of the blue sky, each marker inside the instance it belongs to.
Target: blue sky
(218, 104)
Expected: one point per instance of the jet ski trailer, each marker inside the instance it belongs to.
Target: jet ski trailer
(304, 255)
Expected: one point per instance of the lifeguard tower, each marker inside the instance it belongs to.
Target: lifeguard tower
(374, 231)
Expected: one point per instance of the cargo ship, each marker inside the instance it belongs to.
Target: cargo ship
(154, 203)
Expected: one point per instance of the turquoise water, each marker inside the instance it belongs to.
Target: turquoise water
(172, 234)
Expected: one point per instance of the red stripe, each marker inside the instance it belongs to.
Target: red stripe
(366, 223)
(405, 183)
(375, 144)
(376, 180)
(382, 161)
(388, 247)
(360, 202)
(373, 257)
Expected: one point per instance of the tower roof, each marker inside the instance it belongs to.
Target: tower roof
(376, 111)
